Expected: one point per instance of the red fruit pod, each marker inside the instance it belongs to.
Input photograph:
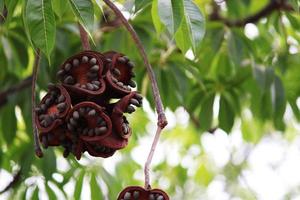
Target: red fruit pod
(139, 193)
(73, 145)
(51, 113)
(125, 105)
(98, 150)
(118, 75)
(88, 122)
(82, 74)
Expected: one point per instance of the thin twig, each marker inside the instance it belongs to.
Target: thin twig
(37, 147)
(162, 120)
(84, 38)
(273, 5)
(14, 89)
(149, 159)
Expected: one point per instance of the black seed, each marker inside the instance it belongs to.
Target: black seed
(125, 128)
(130, 64)
(160, 197)
(61, 107)
(122, 60)
(45, 141)
(151, 197)
(96, 87)
(66, 153)
(41, 117)
(136, 194)
(116, 72)
(84, 59)
(127, 196)
(135, 102)
(138, 96)
(85, 131)
(75, 62)
(114, 79)
(96, 83)
(69, 80)
(100, 130)
(38, 110)
(73, 122)
(91, 132)
(130, 109)
(132, 83)
(126, 58)
(70, 127)
(103, 123)
(89, 86)
(93, 61)
(76, 115)
(61, 98)
(51, 86)
(60, 73)
(92, 112)
(120, 84)
(48, 101)
(68, 66)
(81, 111)
(95, 68)
(43, 107)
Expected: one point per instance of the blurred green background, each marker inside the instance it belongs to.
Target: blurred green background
(228, 72)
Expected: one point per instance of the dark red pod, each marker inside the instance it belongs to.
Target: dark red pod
(139, 193)
(81, 74)
(119, 74)
(97, 149)
(51, 113)
(125, 105)
(88, 122)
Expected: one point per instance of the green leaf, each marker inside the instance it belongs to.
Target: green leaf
(155, 17)
(235, 47)
(40, 21)
(50, 192)
(170, 13)
(226, 113)
(84, 11)
(78, 186)
(8, 123)
(35, 195)
(1, 6)
(11, 7)
(279, 103)
(192, 25)
(206, 113)
(139, 4)
(48, 164)
(96, 192)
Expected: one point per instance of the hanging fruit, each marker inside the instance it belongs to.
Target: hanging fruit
(77, 114)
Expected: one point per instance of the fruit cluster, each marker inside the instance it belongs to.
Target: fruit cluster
(139, 193)
(85, 111)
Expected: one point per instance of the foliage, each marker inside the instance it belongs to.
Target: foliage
(218, 73)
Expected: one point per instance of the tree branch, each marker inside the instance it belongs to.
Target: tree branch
(162, 121)
(14, 89)
(84, 38)
(273, 5)
(37, 147)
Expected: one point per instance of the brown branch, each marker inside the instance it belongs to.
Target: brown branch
(14, 89)
(16, 179)
(37, 147)
(3, 15)
(273, 5)
(84, 38)
(162, 120)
